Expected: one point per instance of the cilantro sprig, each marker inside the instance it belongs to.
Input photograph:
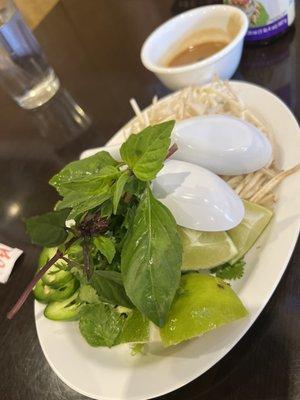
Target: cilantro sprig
(230, 272)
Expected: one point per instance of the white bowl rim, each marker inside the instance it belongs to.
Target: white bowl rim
(209, 60)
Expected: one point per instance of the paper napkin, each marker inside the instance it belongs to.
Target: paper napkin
(8, 257)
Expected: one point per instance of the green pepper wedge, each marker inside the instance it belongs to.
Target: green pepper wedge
(46, 294)
(56, 276)
(66, 310)
(46, 254)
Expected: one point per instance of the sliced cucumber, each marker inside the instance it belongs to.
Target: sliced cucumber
(67, 310)
(46, 294)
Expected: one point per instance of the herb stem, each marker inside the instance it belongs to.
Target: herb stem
(86, 259)
(127, 198)
(171, 150)
(59, 254)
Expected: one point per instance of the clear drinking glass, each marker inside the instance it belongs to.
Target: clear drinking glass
(24, 71)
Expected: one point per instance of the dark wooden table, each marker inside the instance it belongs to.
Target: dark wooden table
(94, 47)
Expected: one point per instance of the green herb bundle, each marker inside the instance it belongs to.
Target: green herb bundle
(112, 238)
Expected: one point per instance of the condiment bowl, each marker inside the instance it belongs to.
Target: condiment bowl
(167, 37)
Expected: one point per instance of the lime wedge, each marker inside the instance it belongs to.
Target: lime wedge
(202, 250)
(136, 328)
(205, 303)
(248, 231)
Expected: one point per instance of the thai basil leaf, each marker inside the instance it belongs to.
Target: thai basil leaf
(91, 182)
(82, 169)
(135, 186)
(113, 276)
(151, 259)
(119, 190)
(146, 151)
(48, 230)
(129, 217)
(101, 325)
(82, 202)
(107, 208)
(108, 290)
(106, 247)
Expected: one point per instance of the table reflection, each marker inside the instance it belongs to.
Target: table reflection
(61, 118)
(273, 67)
(13, 210)
(52, 135)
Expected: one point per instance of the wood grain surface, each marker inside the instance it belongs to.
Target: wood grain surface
(34, 11)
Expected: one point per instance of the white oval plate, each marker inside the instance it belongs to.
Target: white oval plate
(114, 374)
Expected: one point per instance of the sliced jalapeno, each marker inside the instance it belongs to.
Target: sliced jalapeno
(46, 293)
(46, 254)
(66, 310)
(57, 278)
(57, 275)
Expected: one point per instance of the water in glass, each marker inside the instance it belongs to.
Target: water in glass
(24, 71)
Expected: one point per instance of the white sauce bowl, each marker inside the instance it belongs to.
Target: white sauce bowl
(168, 36)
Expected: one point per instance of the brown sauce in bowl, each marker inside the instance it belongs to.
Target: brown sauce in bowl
(196, 52)
(201, 43)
